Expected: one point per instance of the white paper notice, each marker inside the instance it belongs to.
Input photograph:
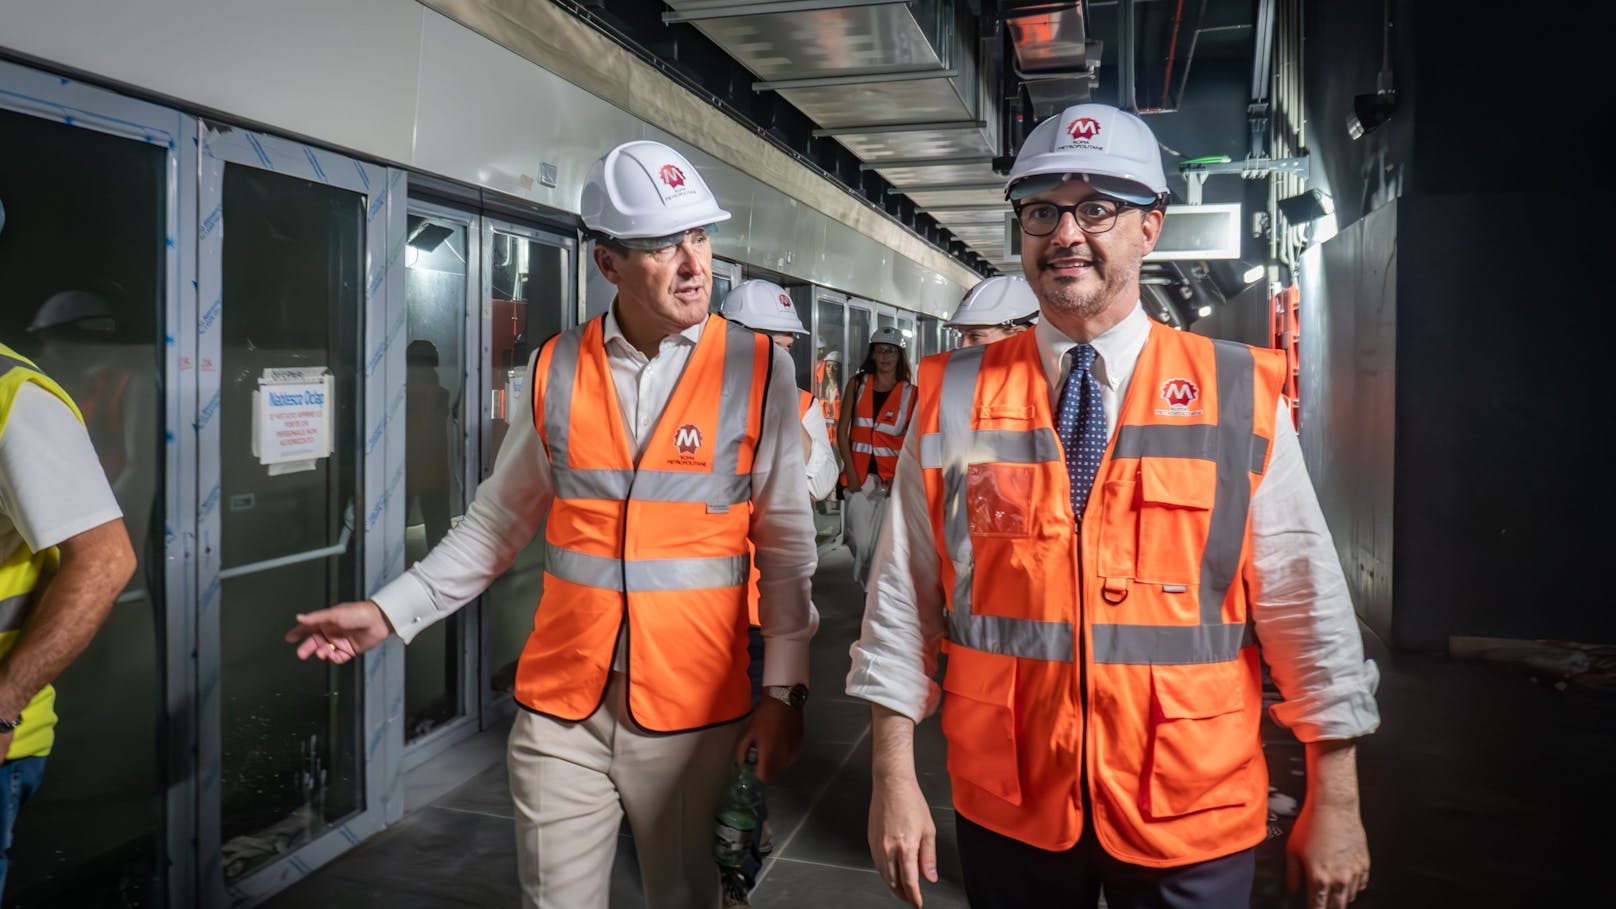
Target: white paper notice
(292, 420)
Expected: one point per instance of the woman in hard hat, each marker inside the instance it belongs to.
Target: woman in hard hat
(995, 309)
(828, 387)
(870, 435)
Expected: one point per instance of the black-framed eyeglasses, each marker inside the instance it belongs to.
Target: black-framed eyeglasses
(1093, 216)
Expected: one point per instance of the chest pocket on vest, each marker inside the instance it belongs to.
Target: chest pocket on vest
(979, 721)
(1156, 526)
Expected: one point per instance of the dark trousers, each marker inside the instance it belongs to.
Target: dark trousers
(1004, 873)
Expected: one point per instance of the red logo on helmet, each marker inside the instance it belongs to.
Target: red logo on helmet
(1083, 128)
(687, 438)
(672, 176)
(785, 301)
(1180, 393)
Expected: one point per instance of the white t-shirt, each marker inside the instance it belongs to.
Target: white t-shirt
(51, 483)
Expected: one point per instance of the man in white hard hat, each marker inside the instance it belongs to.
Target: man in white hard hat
(1104, 516)
(657, 446)
(766, 308)
(995, 309)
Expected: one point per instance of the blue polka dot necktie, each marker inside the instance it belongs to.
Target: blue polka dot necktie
(1081, 425)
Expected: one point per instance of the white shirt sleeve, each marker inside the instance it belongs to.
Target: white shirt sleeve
(782, 533)
(501, 521)
(896, 653)
(1300, 602)
(52, 486)
(822, 469)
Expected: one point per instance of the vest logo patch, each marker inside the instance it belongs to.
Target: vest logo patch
(1180, 393)
(687, 439)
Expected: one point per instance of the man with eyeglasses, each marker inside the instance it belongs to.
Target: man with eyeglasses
(658, 445)
(1104, 517)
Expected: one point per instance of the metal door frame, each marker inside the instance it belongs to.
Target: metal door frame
(41, 94)
(469, 719)
(860, 345)
(382, 318)
(495, 710)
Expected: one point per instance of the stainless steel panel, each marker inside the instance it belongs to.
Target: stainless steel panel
(1049, 41)
(823, 42)
(980, 217)
(881, 102)
(942, 172)
(991, 194)
(951, 143)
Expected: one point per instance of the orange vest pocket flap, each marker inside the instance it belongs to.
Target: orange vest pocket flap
(980, 724)
(1178, 482)
(1197, 691)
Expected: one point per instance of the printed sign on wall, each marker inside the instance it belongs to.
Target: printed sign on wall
(292, 419)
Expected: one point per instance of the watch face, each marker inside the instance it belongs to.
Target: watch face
(798, 695)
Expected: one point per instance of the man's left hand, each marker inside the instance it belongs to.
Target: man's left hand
(5, 743)
(776, 731)
(1329, 852)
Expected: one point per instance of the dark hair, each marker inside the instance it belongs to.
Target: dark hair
(869, 362)
(421, 352)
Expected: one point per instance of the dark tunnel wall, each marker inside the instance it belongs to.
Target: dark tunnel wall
(1489, 195)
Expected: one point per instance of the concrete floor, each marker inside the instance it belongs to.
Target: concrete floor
(1482, 788)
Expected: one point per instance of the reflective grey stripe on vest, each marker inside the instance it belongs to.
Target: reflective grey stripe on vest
(1026, 638)
(1231, 504)
(644, 575)
(1003, 446)
(722, 485)
(7, 364)
(1170, 645)
(906, 409)
(652, 486)
(1182, 442)
(881, 450)
(14, 609)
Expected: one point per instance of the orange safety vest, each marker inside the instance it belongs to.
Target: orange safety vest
(659, 542)
(805, 401)
(1154, 706)
(879, 437)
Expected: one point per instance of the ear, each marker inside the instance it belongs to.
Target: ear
(1150, 228)
(606, 261)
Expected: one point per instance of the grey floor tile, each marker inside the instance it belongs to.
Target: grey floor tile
(799, 885)
(488, 793)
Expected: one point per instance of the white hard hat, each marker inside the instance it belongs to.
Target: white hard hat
(79, 309)
(643, 191)
(762, 306)
(999, 300)
(887, 335)
(1110, 149)
(834, 356)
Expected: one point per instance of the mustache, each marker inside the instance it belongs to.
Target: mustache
(1080, 251)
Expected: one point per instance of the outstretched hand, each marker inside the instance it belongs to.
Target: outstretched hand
(340, 633)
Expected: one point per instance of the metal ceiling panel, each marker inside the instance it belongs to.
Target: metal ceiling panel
(948, 143)
(942, 172)
(881, 103)
(824, 42)
(969, 194)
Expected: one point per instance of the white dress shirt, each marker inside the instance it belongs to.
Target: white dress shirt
(822, 467)
(1299, 597)
(511, 504)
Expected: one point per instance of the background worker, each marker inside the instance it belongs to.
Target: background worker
(869, 435)
(766, 308)
(657, 446)
(64, 557)
(828, 387)
(995, 309)
(1105, 517)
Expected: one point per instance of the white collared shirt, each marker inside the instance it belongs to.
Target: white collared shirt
(510, 506)
(1299, 597)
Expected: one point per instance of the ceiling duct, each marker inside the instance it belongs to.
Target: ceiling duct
(1053, 58)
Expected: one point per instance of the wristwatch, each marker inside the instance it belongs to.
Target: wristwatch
(793, 696)
(7, 725)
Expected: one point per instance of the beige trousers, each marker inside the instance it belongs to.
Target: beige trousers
(572, 784)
